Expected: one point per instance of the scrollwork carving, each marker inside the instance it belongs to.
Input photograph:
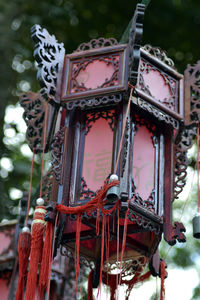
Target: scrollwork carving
(56, 152)
(159, 54)
(146, 68)
(34, 112)
(96, 43)
(108, 115)
(49, 54)
(181, 162)
(192, 93)
(144, 222)
(94, 102)
(156, 112)
(86, 193)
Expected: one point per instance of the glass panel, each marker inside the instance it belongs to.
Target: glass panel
(143, 162)
(97, 153)
(95, 73)
(157, 84)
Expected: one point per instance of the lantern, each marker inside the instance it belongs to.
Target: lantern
(122, 111)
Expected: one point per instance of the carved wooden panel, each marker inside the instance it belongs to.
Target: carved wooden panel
(95, 72)
(192, 93)
(49, 55)
(34, 115)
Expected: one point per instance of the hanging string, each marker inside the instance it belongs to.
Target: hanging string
(43, 146)
(198, 168)
(30, 188)
(52, 253)
(123, 129)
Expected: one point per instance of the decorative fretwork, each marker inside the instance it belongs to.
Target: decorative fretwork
(86, 193)
(108, 115)
(81, 65)
(159, 54)
(56, 152)
(146, 68)
(148, 204)
(66, 251)
(47, 186)
(135, 39)
(34, 106)
(181, 161)
(49, 54)
(93, 102)
(124, 153)
(96, 43)
(144, 222)
(156, 112)
(192, 93)
(175, 233)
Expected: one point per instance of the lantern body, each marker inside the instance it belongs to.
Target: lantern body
(116, 101)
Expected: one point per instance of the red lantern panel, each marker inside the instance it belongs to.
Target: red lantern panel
(97, 156)
(92, 153)
(91, 73)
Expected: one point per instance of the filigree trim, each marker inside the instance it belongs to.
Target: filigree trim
(108, 115)
(146, 68)
(181, 161)
(156, 112)
(49, 54)
(86, 193)
(34, 112)
(159, 54)
(56, 151)
(96, 43)
(81, 65)
(93, 102)
(144, 222)
(192, 93)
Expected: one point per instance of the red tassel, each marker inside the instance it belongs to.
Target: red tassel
(90, 295)
(162, 276)
(36, 250)
(46, 260)
(24, 247)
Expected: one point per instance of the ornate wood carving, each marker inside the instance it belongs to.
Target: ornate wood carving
(94, 102)
(192, 93)
(49, 54)
(47, 186)
(181, 162)
(82, 64)
(147, 204)
(159, 54)
(34, 115)
(145, 68)
(108, 115)
(86, 193)
(156, 112)
(175, 233)
(143, 221)
(96, 43)
(135, 38)
(56, 152)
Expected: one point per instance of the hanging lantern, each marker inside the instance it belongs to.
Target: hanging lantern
(119, 156)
